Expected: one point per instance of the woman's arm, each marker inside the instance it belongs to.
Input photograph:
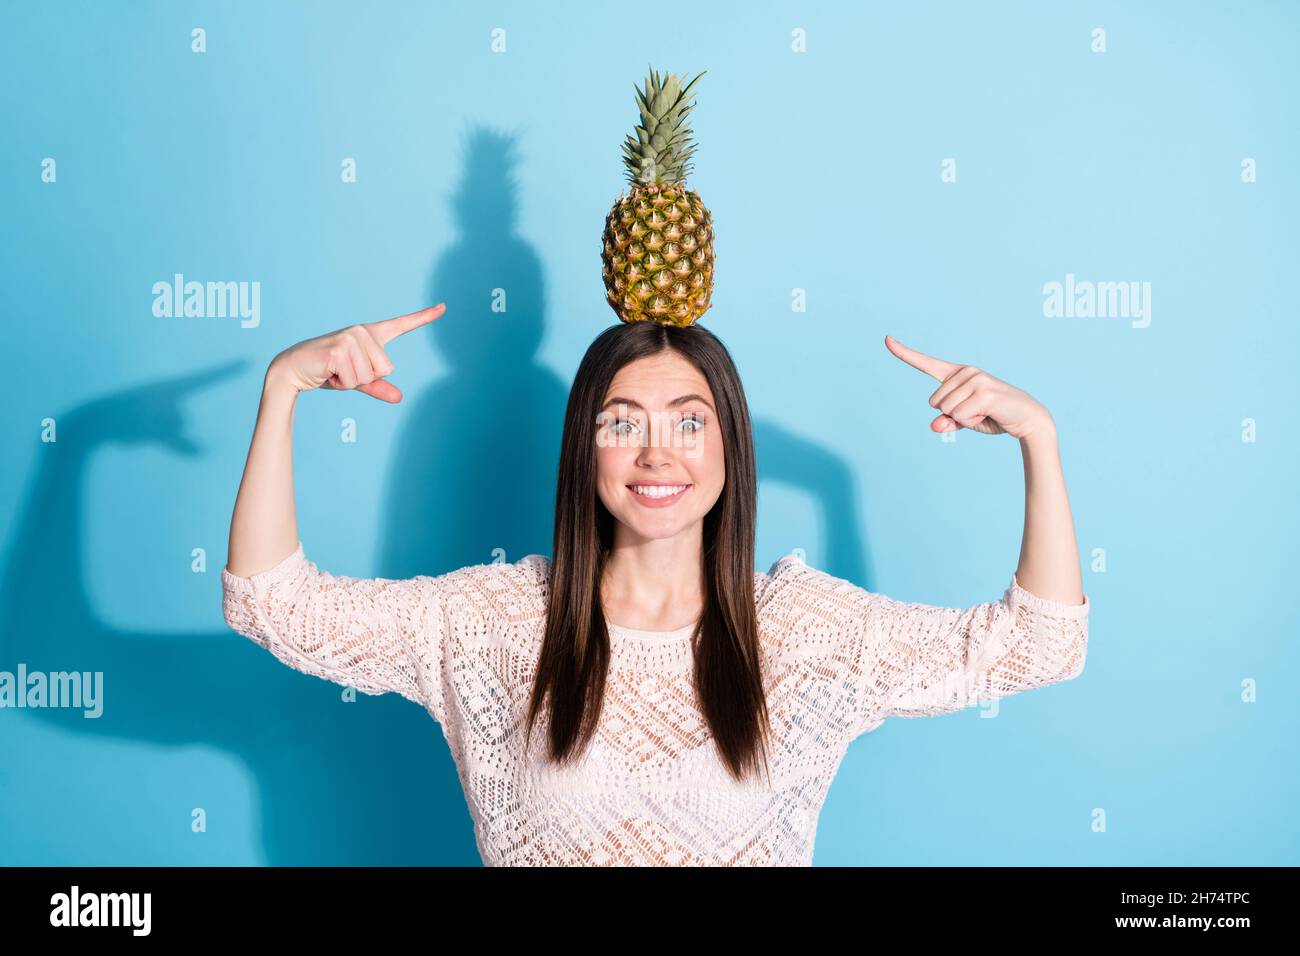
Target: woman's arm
(927, 660)
(897, 658)
(971, 398)
(264, 526)
(1049, 554)
(374, 634)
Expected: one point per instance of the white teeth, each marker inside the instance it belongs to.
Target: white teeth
(657, 491)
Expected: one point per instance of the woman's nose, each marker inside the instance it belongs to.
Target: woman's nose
(652, 456)
(653, 452)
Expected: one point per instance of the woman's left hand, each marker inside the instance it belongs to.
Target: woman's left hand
(972, 398)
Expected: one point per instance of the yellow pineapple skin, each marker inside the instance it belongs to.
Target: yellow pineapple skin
(658, 255)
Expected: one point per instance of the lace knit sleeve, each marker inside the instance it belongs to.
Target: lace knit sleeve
(927, 660)
(375, 634)
(898, 659)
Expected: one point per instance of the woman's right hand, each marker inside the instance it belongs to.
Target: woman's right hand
(351, 358)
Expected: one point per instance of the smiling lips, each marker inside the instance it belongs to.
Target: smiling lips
(658, 494)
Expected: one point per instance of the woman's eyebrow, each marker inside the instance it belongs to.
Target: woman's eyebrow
(680, 400)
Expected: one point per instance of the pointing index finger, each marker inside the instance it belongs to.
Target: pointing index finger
(386, 330)
(935, 367)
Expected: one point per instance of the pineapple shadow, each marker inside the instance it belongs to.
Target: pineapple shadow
(471, 479)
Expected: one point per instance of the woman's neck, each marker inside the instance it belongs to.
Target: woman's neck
(654, 584)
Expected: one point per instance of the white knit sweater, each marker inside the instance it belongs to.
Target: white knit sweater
(837, 661)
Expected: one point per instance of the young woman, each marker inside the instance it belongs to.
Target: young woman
(644, 697)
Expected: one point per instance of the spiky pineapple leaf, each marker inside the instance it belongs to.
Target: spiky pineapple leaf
(663, 145)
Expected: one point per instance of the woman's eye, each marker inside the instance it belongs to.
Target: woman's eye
(618, 426)
(694, 421)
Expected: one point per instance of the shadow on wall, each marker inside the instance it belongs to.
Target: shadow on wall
(370, 782)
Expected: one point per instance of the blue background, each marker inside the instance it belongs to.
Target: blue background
(479, 170)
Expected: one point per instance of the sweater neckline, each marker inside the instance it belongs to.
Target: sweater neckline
(641, 634)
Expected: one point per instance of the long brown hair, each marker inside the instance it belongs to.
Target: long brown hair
(575, 654)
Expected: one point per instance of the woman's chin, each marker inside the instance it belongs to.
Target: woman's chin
(654, 528)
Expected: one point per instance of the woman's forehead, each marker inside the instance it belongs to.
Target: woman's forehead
(658, 378)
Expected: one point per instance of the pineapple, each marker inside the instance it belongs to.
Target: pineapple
(658, 241)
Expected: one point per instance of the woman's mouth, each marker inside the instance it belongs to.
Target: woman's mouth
(657, 495)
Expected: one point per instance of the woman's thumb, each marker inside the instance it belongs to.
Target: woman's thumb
(382, 390)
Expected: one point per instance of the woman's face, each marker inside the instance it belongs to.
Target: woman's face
(658, 430)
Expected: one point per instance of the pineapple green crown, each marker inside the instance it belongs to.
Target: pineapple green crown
(661, 150)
